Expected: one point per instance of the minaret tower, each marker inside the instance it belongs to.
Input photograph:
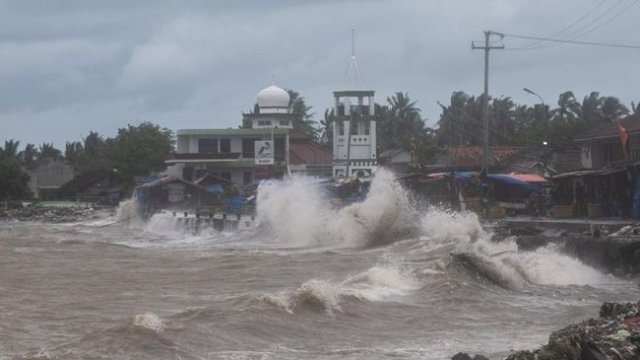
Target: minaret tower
(354, 128)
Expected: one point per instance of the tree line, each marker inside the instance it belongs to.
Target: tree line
(401, 126)
(135, 150)
(142, 149)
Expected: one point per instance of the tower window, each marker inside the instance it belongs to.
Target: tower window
(367, 128)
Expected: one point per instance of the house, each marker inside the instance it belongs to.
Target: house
(602, 146)
(46, 178)
(101, 186)
(308, 158)
(267, 146)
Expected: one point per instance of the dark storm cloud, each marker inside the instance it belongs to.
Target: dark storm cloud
(67, 67)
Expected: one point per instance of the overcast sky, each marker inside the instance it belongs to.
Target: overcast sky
(68, 67)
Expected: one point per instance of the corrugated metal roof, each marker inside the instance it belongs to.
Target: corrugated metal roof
(610, 130)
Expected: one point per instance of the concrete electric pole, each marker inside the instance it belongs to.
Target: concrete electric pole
(485, 101)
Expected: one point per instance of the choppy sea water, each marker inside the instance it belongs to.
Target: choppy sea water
(385, 278)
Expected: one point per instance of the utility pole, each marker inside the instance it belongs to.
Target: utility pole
(485, 101)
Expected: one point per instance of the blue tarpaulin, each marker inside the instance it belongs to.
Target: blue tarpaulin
(510, 180)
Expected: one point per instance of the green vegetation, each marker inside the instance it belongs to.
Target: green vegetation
(515, 124)
(13, 180)
(136, 150)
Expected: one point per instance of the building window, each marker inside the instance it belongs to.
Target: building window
(209, 146)
(341, 128)
(247, 178)
(264, 122)
(608, 154)
(248, 148)
(284, 122)
(225, 146)
(367, 128)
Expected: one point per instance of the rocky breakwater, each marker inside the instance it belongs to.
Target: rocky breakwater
(614, 335)
(54, 214)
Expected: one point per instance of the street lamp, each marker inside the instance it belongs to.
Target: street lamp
(531, 92)
(534, 93)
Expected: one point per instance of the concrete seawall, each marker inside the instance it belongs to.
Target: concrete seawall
(617, 255)
(587, 240)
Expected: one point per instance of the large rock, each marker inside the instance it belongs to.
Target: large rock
(615, 335)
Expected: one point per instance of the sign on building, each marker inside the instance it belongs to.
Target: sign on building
(264, 152)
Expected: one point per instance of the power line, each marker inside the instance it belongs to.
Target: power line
(589, 43)
(571, 34)
(534, 45)
(608, 20)
(576, 34)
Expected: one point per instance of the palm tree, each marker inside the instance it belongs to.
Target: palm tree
(568, 108)
(305, 120)
(10, 150)
(591, 109)
(406, 125)
(612, 108)
(635, 109)
(73, 151)
(93, 143)
(29, 155)
(502, 114)
(326, 131)
(48, 151)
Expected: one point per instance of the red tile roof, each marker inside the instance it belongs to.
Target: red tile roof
(309, 154)
(471, 156)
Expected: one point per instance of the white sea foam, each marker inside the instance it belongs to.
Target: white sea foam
(299, 215)
(547, 266)
(461, 227)
(148, 321)
(387, 280)
(382, 282)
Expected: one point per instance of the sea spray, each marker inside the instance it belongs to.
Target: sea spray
(294, 211)
(447, 224)
(502, 261)
(298, 214)
(127, 209)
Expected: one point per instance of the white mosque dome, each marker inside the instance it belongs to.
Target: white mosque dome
(273, 99)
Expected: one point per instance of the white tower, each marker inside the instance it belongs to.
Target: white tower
(354, 128)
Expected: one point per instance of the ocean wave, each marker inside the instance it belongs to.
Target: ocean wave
(148, 321)
(382, 282)
(299, 215)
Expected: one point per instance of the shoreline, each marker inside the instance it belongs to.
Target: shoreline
(614, 335)
(54, 214)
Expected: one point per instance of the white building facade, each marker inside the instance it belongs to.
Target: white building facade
(354, 134)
